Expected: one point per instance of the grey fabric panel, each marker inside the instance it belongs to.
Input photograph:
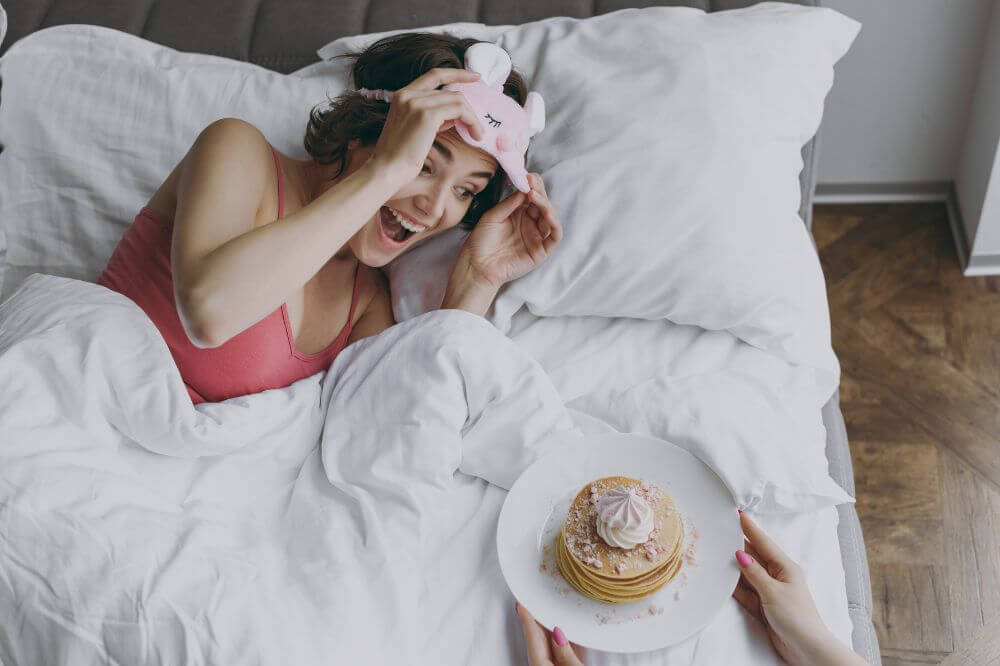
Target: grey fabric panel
(807, 180)
(852, 544)
(283, 35)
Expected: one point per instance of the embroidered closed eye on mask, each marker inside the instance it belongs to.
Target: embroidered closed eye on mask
(507, 126)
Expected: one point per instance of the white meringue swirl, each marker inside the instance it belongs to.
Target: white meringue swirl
(624, 519)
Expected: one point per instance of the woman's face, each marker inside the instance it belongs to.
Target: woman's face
(436, 200)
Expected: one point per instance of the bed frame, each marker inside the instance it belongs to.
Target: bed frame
(283, 35)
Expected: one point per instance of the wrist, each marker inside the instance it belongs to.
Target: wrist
(467, 291)
(388, 174)
(824, 649)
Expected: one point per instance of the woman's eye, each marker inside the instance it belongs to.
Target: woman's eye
(466, 193)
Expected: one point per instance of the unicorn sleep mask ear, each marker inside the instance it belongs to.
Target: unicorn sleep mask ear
(507, 126)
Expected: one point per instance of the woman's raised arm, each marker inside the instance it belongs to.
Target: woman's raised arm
(229, 275)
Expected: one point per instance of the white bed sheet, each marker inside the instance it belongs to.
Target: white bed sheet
(346, 517)
(593, 360)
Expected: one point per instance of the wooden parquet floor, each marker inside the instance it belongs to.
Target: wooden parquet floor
(919, 346)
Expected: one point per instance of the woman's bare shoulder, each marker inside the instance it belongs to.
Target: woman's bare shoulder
(234, 144)
(232, 129)
(226, 146)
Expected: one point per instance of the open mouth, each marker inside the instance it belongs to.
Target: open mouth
(392, 228)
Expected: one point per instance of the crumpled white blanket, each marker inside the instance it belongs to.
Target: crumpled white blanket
(351, 516)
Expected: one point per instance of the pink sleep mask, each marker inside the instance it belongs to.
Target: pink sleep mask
(507, 126)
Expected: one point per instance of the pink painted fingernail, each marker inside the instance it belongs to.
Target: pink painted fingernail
(743, 559)
(517, 607)
(559, 636)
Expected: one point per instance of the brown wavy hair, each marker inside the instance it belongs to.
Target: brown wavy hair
(392, 63)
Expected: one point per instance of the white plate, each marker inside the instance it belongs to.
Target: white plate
(536, 507)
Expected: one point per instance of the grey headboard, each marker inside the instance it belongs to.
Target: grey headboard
(283, 35)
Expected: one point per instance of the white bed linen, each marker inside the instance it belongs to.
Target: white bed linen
(346, 518)
(117, 539)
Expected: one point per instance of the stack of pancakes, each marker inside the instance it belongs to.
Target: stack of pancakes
(617, 575)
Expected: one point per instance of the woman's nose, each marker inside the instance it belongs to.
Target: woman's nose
(432, 204)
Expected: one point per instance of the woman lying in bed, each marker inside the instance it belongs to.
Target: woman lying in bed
(258, 269)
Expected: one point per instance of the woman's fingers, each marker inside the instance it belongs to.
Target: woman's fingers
(756, 575)
(562, 650)
(504, 209)
(744, 558)
(534, 242)
(778, 563)
(752, 552)
(444, 105)
(536, 182)
(439, 76)
(447, 105)
(534, 637)
(543, 650)
(547, 214)
(745, 595)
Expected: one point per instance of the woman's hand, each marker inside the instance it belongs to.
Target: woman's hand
(513, 237)
(545, 649)
(416, 114)
(773, 589)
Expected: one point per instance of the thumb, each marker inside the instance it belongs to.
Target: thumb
(755, 574)
(504, 208)
(562, 650)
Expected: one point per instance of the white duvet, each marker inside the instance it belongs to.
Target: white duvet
(351, 517)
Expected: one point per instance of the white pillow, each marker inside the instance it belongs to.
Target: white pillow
(3, 24)
(675, 168)
(672, 153)
(93, 120)
(355, 43)
(418, 277)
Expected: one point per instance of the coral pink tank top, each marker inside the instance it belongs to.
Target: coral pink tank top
(261, 357)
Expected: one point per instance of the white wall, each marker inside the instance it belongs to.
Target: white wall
(900, 100)
(977, 181)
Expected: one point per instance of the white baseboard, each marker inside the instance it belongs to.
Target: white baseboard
(836, 193)
(983, 264)
(844, 193)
